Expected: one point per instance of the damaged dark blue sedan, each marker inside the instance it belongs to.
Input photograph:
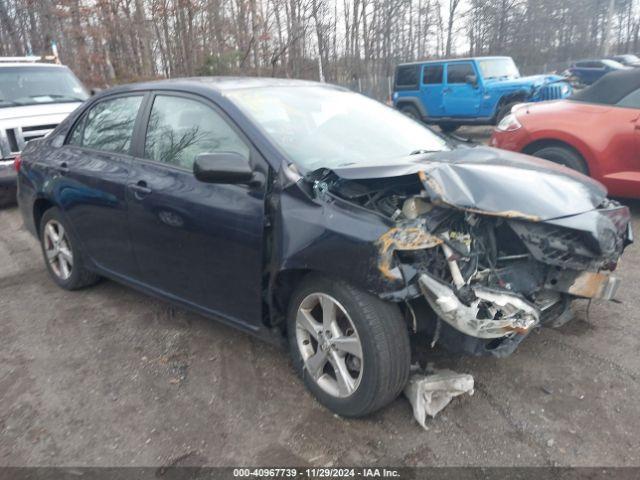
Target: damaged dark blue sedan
(304, 212)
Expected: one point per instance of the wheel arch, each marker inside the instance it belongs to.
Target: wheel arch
(518, 95)
(532, 147)
(40, 206)
(414, 102)
(281, 288)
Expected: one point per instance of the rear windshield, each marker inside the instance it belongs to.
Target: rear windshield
(31, 85)
(611, 89)
(407, 76)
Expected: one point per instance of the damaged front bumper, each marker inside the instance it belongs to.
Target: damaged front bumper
(491, 314)
(479, 316)
(595, 285)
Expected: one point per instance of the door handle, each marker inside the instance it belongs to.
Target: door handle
(140, 189)
(446, 90)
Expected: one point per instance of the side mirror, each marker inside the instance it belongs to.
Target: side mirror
(472, 80)
(224, 167)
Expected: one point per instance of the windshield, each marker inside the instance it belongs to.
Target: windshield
(498, 68)
(30, 85)
(318, 126)
(613, 64)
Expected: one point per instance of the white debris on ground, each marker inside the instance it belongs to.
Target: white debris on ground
(429, 394)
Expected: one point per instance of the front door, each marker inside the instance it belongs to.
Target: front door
(431, 86)
(621, 165)
(94, 167)
(201, 243)
(461, 98)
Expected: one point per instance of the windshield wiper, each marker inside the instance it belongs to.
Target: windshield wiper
(422, 151)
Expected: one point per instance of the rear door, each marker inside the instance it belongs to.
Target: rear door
(198, 242)
(461, 99)
(93, 169)
(431, 86)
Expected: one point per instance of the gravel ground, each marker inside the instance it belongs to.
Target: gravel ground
(107, 376)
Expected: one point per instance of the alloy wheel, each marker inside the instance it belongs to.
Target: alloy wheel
(57, 249)
(329, 345)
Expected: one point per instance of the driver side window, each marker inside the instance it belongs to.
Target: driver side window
(181, 128)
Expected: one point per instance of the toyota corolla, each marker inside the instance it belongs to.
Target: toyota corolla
(312, 216)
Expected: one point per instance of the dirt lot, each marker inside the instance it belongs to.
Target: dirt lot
(107, 376)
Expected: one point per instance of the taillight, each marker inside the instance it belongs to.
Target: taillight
(17, 162)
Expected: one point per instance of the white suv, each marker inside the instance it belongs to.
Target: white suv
(34, 98)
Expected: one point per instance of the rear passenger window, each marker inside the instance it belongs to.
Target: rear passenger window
(631, 101)
(407, 76)
(180, 129)
(432, 74)
(108, 125)
(457, 72)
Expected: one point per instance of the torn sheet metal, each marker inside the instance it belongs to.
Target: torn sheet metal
(596, 285)
(492, 314)
(429, 394)
(402, 238)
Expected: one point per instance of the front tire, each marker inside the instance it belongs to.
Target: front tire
(448, 127)
(62, 254)
(350, 348)
(564, 156)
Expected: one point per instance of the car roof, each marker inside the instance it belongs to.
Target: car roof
(611, 88)
(217, 84)
(441, 60)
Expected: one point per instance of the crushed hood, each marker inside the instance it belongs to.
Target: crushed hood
(492, 181)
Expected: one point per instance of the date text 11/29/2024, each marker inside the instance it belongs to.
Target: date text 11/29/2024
(322, 472)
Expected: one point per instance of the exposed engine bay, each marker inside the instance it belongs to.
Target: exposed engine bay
(490, 276)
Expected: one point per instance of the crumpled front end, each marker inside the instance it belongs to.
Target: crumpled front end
(489, 276)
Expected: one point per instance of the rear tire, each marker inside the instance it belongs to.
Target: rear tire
(62, 254)
(411, 112)
(564, 156)
(380, 373)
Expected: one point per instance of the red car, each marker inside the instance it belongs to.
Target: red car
(596, 131)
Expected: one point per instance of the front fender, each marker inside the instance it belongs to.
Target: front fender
(329, 236)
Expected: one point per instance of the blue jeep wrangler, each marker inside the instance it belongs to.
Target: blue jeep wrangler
(469, 91)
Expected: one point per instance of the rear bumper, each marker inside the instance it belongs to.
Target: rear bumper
(7, 174)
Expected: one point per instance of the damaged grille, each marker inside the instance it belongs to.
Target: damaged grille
(562, 246)
(556, 246)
